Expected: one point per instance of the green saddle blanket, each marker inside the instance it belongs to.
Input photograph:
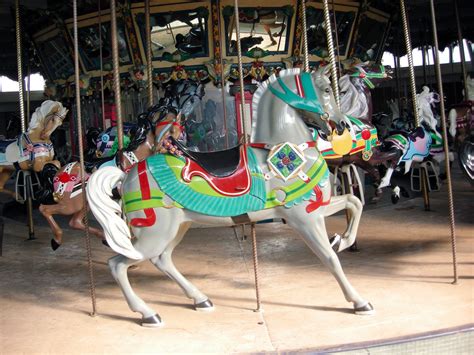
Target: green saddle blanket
(198, 195)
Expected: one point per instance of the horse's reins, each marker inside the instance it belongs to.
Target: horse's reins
(365, 76)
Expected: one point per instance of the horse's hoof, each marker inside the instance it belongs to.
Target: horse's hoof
(54, 244)
(105, 243)
(205, 306)
(395, 199)
(366, 310)
(152, 322)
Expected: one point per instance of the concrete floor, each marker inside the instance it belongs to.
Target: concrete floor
(403, 267)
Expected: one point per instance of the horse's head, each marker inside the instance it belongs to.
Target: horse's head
(330, 119)
(47, 118)
(370, 75)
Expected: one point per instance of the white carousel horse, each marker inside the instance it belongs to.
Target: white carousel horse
(280, 174)
(418, 144)
(461, 117)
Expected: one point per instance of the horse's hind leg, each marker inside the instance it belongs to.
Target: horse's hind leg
(313, 230)
(118, 266)
(164, 262)
(77, 222)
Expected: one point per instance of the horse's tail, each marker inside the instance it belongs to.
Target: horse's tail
(107, 211)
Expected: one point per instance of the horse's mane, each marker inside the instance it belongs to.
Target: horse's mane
(264, 86)
(43, 111)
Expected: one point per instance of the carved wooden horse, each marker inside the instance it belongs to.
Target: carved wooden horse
(281, 174)
(67, 182)
(461, 116)
(33, 149)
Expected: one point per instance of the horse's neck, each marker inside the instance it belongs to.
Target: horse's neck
(364, 99)
(35, 137)
(276, 122)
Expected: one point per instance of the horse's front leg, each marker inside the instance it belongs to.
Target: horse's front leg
(48, 211)
(164, 262)
(354, 207)
(313, 230)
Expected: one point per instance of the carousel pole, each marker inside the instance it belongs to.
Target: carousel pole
(101, 62)
(461, 49)
(245, 141)
(149, 60)
(445, 141)
(28, 182)
(223, 92)
(81, 162)
(332, 56)
(406, 32)
(116, 66)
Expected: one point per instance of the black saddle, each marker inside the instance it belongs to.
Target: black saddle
(219, 164)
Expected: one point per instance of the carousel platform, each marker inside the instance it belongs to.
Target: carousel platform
(403, 267)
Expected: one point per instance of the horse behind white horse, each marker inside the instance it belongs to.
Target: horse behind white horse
(281, 174)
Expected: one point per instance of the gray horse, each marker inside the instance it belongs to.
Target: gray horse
(280, 174)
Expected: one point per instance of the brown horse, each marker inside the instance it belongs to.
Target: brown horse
(33, 149)
(68, 192)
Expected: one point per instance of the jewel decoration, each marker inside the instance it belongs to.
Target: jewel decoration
(286, 160)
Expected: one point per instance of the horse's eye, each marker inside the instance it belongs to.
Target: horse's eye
(327, 90)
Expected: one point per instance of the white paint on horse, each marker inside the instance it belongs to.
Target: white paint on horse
(353, 103)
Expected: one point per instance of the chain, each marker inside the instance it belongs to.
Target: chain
(255, 265)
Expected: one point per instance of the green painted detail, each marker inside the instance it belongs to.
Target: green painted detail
(437, 140)
(309, 103)
(299, 190)
(164, 167)
(399, 138)
(133, 200)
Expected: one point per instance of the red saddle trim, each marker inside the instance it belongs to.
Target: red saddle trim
(150, 216)
(237, 184)
(313, 205)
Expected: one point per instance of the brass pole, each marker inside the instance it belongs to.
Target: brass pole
(19, 62)
(81, 162)
(241, 72)
(461, 49)
(116, 67)
(406, 33)
(445, 140)
(101, 61)
(332, 56)
(305, 37)
(149, 58)
(19, 65)
(411, 69)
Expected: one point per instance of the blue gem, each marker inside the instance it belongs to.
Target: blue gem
(290, 167)
(280, 165)
(105, 138)
(292, 156)
(281, 154)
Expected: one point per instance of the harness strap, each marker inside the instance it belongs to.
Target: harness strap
(150, 216)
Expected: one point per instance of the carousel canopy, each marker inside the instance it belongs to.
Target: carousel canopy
(37, 15)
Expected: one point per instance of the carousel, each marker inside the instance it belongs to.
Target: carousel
(319, 215)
